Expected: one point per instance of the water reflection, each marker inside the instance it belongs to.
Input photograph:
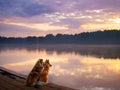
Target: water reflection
(100, 51)
(83, 69)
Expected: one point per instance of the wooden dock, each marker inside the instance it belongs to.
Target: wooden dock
(10, 80)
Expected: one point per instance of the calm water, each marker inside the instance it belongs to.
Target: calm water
(77, 66)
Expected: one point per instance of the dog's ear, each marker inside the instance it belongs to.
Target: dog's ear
(41, 60)
(48, 62)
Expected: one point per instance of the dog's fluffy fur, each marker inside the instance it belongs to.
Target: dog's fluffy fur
(39, 73)
(43, 77)
(34, 74)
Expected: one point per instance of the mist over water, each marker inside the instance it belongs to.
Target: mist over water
(83, 67)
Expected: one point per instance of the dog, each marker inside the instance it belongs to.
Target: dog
(43, 76)
(33, 77)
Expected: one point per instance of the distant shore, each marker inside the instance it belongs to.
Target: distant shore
(105, 37)
(10, 80)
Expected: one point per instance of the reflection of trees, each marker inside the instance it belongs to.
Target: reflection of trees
(101, 51)
(107, 51)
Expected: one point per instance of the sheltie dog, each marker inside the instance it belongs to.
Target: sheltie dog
(33, 76)
(43, 76)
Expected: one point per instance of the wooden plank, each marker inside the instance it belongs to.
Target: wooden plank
(6, 71)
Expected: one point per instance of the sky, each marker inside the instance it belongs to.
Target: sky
(21, 18)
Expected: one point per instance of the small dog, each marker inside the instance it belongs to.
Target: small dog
(43, 77)
(34, 74)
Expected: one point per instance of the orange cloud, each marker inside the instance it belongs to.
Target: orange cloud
(101, 26)
(38, 26)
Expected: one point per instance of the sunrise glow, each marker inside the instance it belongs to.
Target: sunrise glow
(39, 18)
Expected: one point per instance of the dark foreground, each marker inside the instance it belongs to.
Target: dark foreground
(13, 81)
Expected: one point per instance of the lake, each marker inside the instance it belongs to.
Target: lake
(82, 67)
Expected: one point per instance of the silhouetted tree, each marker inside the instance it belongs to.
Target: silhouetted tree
(98, 37)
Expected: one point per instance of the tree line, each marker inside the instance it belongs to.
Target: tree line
(98, 37)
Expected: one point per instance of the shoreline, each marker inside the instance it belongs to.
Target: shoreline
(10, 80)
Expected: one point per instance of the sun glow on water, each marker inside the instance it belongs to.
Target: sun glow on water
(70, 69)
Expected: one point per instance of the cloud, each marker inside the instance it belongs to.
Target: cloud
(18, 31)
(38, 26)
(60, 16)
(103, 26)
(97, 4)
(36, 9)
(24, 30)
(22, 8)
